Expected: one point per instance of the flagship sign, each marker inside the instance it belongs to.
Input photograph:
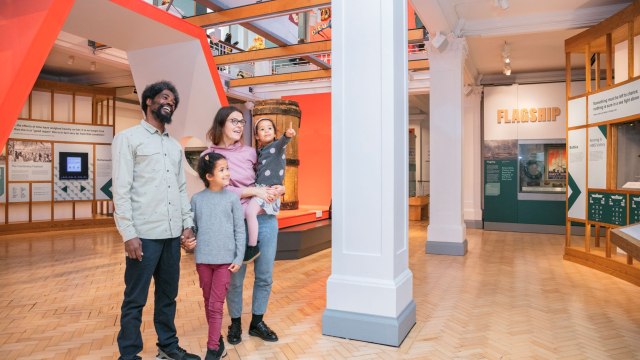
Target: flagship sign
(616, 103)
(507, 116)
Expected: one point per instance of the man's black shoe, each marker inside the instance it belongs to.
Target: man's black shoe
(176, 354)
(250, 254)
(263, 332)
(234, 336)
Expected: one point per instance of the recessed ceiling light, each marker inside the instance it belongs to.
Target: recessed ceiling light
(71, 60)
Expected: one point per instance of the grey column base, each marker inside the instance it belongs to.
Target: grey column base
(473, 224)
(370, 328)
(446, 248)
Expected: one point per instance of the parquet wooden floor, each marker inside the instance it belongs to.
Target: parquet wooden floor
(511, 297)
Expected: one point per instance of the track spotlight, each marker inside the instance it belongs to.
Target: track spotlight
(502, 3)
(93, 65)
(506, 59)
(440, 42)
(71, 60)
(507, 70)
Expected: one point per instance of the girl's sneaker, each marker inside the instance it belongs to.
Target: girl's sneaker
(250, 254)
(216, 354)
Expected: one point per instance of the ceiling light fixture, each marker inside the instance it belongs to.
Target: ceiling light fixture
(502, 3)
(71, 60)
(93, 65)
(440, 42)
(507, 70)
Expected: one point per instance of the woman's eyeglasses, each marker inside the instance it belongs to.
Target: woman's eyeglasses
(237, 122)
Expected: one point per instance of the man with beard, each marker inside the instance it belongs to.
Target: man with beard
(152, 213)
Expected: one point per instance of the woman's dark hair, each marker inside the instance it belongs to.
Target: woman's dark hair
(206, 165)
(217, 128)
(151, 91)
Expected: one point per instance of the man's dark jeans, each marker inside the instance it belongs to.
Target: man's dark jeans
(160, 260)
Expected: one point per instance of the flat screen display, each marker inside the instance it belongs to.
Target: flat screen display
(74, 166)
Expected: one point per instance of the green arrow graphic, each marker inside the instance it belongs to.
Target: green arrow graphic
(603, 129)
(575, 192)
(82, 188)
(65, 188)
(106, 189)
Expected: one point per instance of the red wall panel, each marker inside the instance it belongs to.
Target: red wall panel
(314, 149)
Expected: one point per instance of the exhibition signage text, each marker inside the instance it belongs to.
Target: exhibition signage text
(528, 115)
(616, 103)
(41, 130)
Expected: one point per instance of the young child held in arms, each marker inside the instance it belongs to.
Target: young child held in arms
(270, 171)
(220, 236)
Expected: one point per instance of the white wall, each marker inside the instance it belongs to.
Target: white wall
(127, 115)
(621, 60)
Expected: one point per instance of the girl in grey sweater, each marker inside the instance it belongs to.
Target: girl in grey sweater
(220, 236)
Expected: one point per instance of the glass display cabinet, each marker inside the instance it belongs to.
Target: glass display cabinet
(628, 174)
(542, 170)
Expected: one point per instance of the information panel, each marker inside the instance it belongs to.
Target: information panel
(608, 208)
(634, 209)
(615, 103)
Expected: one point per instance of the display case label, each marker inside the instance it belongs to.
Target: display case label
(608, 208)
(634, 209)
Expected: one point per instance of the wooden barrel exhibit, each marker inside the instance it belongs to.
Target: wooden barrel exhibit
(284, 112)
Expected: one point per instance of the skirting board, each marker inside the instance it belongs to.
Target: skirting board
(298, 241)
(446, 248)
(370, 328)
(57, 225)
(537, 229)
(473, 224)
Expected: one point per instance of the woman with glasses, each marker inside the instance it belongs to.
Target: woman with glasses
(226, 138)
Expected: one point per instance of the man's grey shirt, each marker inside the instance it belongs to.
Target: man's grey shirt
(149, 186)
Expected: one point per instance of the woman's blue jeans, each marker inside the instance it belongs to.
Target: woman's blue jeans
(263, 269)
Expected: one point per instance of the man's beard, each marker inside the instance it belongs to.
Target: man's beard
(165, 119)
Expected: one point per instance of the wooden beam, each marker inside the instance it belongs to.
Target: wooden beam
(630, 52)
(416, 36)
(609, 51)
(568, 76)
(597, 77)
(258, 30)
(587, 57)
(270, 79)
(576, 43)
(419, 65)
(254, 12)
(291, 51)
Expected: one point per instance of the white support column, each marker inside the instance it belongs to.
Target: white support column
(447, 233)
(370, 290)
(472, 173)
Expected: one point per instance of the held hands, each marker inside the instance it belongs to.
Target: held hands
(133, 248)
(278, 190)
(187, 241)
(267, 194)
(234, 268)
(290, 132)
